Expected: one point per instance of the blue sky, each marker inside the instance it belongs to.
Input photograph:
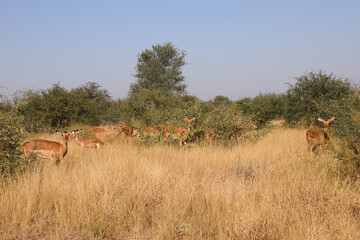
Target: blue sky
(234, 48)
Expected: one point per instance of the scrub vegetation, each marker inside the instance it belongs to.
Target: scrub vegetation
(245, 172)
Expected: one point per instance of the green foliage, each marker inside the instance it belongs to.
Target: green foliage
(221, 101)
(160, 69)
(11, 155)
(227, 123)
(119, 111)
(99, 98)
(57, 107)
(347, 128)
(314, 95)
(263, 108)
(156, 96)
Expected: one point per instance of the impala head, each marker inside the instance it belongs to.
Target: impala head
(65, 135)
(326, 122)
(74, 133)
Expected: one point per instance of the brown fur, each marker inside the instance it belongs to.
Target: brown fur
(91, 142)
(103, 131)
(127, 130)
(316, 137)
(178, 133)
(47, 149)
(151, 130)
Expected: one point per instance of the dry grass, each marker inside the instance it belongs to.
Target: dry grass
(271, 189)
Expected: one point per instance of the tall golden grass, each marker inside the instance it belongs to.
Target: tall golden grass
(272, 189)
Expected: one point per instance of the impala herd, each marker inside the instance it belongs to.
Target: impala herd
(56, 151)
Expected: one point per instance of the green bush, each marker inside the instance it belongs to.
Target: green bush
(263, 108)
(316, 95)
(11, 155)
(58, 108)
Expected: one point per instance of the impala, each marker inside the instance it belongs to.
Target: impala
(318, 137)
(91, 142)
(178, 133)
(127, 130)
(103, 131)
(209, 135)
(48, 149)
(151, 130)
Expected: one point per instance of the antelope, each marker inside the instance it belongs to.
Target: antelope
(48, 149)
(103, 131)
(151, 130)
(318, 137)
(209, 135)
(178, 133)
(127, 130)
(91, 142)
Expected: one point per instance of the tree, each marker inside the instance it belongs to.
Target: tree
(160, 69)
(92, 91)
(263, 108)
(11, 156)
(55, 108)
(160, 84)
(221, 101)
(316, 94)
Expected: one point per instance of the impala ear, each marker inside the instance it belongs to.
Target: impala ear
(320, 119)
(193, 118)
(58, 132)
(185, 118)
(331, 119)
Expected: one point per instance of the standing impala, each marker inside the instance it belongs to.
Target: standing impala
(48, 149)
(91, 142)
(318, 137)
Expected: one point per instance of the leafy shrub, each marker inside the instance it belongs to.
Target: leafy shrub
(57, 107)
(11, 155)
(315, 95)
(263, 108)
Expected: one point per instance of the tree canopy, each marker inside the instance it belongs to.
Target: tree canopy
(160, 69)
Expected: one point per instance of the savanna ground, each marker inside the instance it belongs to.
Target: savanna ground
(270, 189)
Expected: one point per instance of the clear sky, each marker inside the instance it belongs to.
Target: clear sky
(234, 48)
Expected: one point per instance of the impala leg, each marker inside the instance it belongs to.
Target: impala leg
(166, 136)
(56, 161)
(309, 146)
(321, 149)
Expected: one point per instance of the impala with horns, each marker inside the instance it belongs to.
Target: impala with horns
(90, 142)
(316, 137)
(178, 133)
(47, 149)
